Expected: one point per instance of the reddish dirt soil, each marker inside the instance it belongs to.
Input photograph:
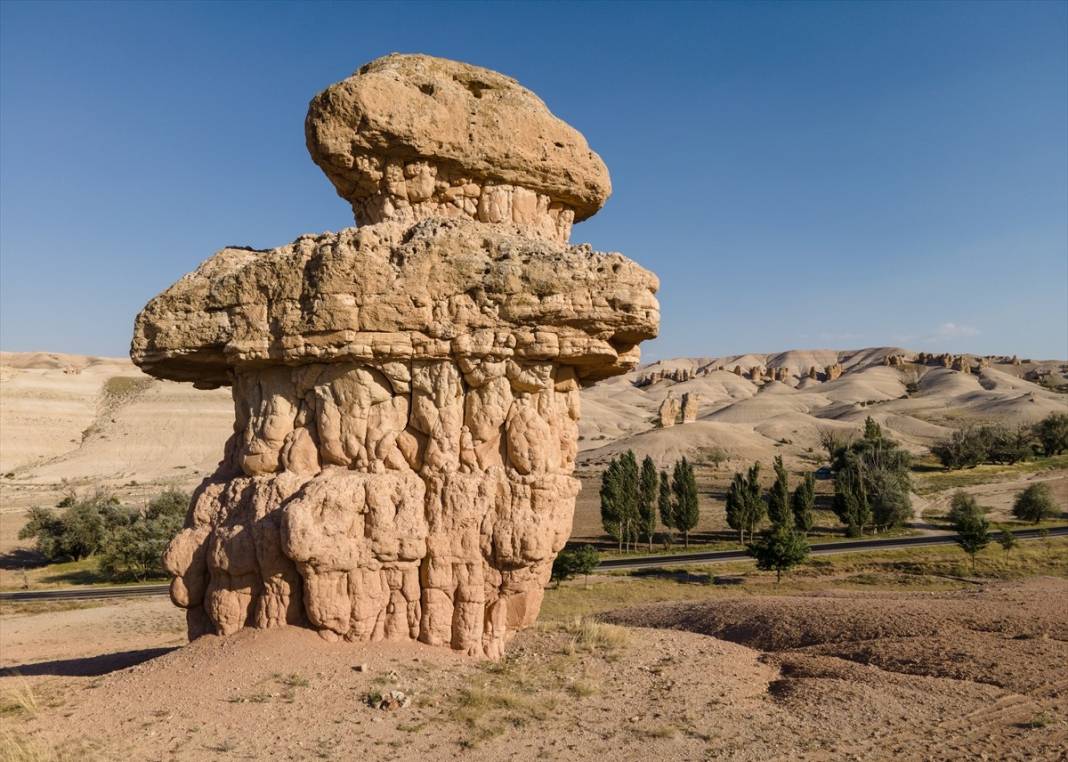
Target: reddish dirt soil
(905, 675)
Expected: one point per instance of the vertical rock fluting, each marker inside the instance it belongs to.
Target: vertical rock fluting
(406, 393)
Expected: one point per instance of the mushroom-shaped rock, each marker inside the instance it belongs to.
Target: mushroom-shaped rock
(405, 392)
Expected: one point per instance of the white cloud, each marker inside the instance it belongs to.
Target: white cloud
(954, 330)
(948, 331)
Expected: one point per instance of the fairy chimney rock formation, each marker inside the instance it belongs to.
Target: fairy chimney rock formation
(691, 401)
(406, 392)
(668, 413)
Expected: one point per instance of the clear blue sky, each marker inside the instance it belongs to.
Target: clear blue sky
(798, 174)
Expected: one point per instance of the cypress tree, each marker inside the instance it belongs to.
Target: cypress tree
(754, 502)
(647, 500)
(667, 513)
(685, 503)
(628, 495)
(803, 503)
(611, 508)
(779, 496)
(736, 507)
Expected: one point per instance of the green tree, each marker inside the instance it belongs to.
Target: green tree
(961, 506)
(46, 529)
(971, 526)
(684, 503)
(755, 507)
(1052, 433)
(1035, 503)
(803, 504)
(1007, 540)
(647, 500)
(135, 548)
(736, 505)
(612, 511)
(629, 474)
(779, 495)
(80, 531)
(871, 482)
(1009, 445)
(779, 549)
(570, 563)
(850, 503)
(667, 512)
(965, 448)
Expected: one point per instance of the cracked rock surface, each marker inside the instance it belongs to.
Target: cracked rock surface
(406, 393)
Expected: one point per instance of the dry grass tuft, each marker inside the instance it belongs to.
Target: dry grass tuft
(591, 635)
(19, 700)
(16, 747)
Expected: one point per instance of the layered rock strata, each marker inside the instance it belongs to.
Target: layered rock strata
(406, 393)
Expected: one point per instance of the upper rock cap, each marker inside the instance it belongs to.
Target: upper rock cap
(410, 136)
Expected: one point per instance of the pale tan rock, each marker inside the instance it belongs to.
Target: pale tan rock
(668, 412)
(410, 136)
(833, 371)
(406, 394)
(691, 401)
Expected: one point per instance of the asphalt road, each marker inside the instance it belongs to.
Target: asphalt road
(639, 562)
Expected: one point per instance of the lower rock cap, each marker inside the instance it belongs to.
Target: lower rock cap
(440, 289)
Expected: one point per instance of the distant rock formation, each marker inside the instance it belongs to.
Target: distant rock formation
(691, 401)
(407, 392)
(832, 372)
(668, 413)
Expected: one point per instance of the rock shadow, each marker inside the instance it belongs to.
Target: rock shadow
(89, 666)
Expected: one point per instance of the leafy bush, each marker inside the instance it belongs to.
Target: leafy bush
(80, 531)
(779, 549)
(570, 563)
(965, 448)
(970, 446)
(973, 530)
(1052, 433)
(136, 548)
(1035, 503)
(961, 506)
(1007, 540)
(131, 542)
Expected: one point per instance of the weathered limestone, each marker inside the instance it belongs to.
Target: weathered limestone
(833, 371)
(406, 393)
(409, 137)
(668, 412)
(691, 401)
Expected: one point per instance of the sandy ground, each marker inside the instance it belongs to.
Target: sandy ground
(974, 674)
